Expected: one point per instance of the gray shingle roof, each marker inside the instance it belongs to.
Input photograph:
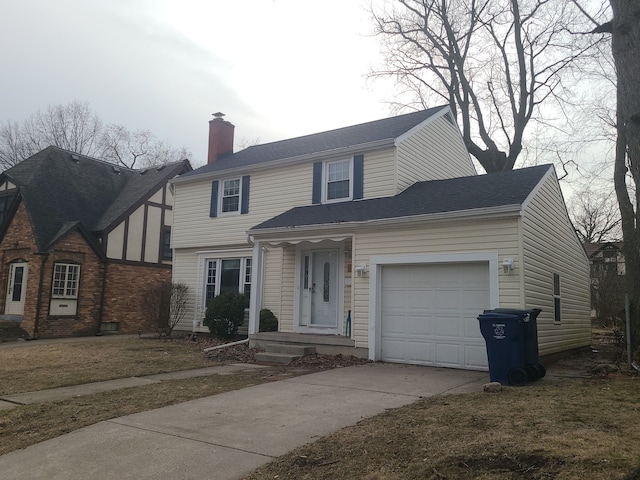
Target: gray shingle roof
(362, 134)
(60, 188)
(422, 198)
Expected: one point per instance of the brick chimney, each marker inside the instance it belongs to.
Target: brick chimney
(220, 137)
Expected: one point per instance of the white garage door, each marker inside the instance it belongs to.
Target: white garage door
(429, 314)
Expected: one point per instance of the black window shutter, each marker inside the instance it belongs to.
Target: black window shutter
(316, 196)
(213, 209)
(358, 177)
(244, 206)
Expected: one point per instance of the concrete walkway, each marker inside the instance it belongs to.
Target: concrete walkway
(64, 393)
(227, 436)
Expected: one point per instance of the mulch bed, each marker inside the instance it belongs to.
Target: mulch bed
(243, 354)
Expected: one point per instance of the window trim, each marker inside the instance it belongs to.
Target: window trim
(221, 196)
(245, 273)
(65, 288)
(325, 180)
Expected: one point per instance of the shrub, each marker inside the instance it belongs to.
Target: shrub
(225, 313)
(165, 304)
(268, 321)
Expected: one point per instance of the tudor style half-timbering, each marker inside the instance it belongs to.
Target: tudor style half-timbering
(380, 240)
(81, 241)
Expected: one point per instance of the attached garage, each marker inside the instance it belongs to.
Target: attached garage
(429, 314)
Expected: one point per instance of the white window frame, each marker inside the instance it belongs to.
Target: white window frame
(222, 196)
(244, 277)
(325, 180)
(67, 283)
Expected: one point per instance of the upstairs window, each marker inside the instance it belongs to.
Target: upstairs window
(230, 196)
(65, 280)
(338, 180)
(230, 201)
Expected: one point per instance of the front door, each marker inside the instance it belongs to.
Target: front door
(319, 290)
(17, 289)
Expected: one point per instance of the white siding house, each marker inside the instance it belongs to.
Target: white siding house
(387, 224)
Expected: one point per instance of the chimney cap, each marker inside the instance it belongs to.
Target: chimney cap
(218, 115)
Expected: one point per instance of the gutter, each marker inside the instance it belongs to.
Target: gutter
(503, 211)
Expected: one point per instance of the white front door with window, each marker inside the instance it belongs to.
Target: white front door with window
(17, 288)
(320, 292)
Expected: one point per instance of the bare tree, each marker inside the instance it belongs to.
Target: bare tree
(137, 149)
(75, 128)
(72, 127)
(625, 42)
(13, 148)
(595, 214)
(495, 62)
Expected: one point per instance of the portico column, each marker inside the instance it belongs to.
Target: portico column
(256, 288)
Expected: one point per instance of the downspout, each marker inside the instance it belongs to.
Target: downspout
(45, 257)
(218, 347)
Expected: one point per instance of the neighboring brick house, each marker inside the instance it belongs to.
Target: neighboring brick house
(80, 242)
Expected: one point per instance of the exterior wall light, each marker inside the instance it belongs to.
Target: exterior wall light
(507, 265)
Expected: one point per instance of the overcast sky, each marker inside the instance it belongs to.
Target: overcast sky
(276, 68)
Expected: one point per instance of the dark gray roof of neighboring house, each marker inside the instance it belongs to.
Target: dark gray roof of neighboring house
(593, 248)
(61, 189)
(362, 134)
(422, 198)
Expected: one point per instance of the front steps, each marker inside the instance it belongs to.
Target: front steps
(283, 354)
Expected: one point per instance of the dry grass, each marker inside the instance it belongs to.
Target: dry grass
(548, 430)
(571, 430)
(38, 367)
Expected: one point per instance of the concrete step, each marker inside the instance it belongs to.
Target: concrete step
(301, 350)
(281, 358)
(11, 331)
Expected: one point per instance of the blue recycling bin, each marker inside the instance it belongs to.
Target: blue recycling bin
(504, 336)
(535, 370)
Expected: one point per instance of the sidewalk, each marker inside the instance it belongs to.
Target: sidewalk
(63, 393)
(227, 436)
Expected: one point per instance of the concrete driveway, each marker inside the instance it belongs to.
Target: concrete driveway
(227, 436)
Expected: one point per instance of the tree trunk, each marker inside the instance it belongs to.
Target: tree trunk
(626, 53)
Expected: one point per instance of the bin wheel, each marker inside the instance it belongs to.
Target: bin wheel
(533, 372)
(543, 371)
(517, 376)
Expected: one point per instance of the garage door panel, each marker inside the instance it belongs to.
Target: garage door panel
(472, 298)
(448, 355)
(446, 299)
(475, 357)
(472, 329)
(429, 314)
(447, 326)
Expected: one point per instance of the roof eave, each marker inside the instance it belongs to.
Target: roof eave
(503, 211)
(363, 147)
